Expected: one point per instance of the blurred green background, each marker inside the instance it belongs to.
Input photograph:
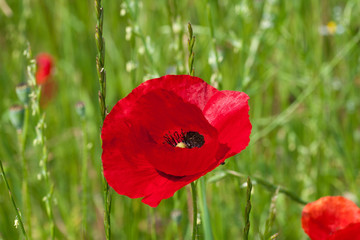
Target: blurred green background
(299, 61)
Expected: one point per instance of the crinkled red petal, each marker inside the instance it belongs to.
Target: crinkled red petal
(191, 89)
(322, 218)
(228, 112)
(167, 186)
(351, 232)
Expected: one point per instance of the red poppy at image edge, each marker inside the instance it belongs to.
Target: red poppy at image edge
(170, 131)
(331, 218)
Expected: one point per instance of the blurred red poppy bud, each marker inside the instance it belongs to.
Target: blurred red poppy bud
(44, 67)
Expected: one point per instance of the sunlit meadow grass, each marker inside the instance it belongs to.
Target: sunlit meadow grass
(301, 73)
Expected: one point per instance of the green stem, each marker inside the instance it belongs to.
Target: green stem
(44, 162)
(247, 209)
(18, 214)
(191, 43)
(270, 186)
(194, 202)
(41, 139)
(205, 217)
(25, 188)
(152, 222)
(272, 214)
(100, 65)
(107, 206)
(84, 182)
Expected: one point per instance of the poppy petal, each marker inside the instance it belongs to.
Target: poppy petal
(322, 218)
(234, 126)
(351, 232)
(160, 111)
(191, 89)
(167, 187)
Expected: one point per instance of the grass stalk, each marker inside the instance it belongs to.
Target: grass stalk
(247, 209)
(41, 139)
(48, 199)
(270, 186)
(191, 43)
(194, 204)
(272, 214)
(25, 179)
(205, 216)
(18, 214)
(84, 180)
(100, 66)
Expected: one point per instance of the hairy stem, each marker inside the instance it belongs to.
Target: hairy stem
(247, 209)
(25, 179)
(100, 66)
(191, 43)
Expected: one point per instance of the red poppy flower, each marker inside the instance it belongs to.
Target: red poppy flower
(44, 68)
(331, 218)
(169, 132)
(44, 65)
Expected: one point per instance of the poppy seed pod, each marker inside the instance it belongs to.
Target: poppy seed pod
(80, 109)
(16, 115)
(22, 91)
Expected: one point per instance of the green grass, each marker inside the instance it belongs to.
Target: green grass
(304, 107)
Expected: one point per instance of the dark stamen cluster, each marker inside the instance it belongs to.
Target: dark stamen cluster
(191, 139)
(194, 139)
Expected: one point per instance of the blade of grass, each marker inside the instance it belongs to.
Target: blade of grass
(205, 217)
(18, 214)
(194, 205)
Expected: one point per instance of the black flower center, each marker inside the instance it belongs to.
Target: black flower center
(184, 140)
(194, 139)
